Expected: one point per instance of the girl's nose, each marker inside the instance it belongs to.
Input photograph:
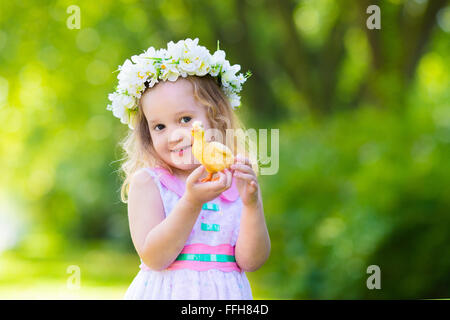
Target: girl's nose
(177, 135)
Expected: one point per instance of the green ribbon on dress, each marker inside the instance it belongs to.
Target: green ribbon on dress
(206, 257)
(211, 206)
(210, 227)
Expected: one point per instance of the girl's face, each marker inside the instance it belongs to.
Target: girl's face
(170, 109)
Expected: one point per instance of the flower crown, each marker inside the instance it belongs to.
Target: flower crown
(183, 58)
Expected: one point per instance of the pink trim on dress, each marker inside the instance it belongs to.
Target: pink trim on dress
(203, 265)
(204, 248)
(176, 185)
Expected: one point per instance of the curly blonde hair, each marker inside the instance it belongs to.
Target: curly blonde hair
(138, 147)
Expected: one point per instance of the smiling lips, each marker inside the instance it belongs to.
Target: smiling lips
(181, 150)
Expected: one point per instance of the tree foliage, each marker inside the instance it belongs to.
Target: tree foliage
(363, 118)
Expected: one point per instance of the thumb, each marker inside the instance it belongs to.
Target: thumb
(197, 173)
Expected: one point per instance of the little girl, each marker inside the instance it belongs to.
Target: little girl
(195, 239)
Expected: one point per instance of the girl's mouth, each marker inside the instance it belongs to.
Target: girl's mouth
(181, 151)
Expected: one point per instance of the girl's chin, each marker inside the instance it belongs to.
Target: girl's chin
(185, 167)
(185, 162)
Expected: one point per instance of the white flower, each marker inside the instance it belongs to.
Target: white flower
(229, 73)
(235, 100)
(175, 50)
(168, 70)
(187, 65)
(149, 53)
(202, 60)
(218, 57)
(183, 58)
(127, 101)
(162, 53)
(217, 61)
(190, 44)
(194, 59)
(118, 109)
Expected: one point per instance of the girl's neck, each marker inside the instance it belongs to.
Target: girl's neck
(181, 174)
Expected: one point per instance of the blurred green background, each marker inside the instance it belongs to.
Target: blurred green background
(364, 124)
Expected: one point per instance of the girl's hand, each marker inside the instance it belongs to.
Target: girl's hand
(202, 192)
(246, 183)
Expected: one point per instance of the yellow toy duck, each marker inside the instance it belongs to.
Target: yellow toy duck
(214, 156)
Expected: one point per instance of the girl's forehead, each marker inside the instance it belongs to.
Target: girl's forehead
(164, 107)
(179, 87)
(168, 94)
(169, 113)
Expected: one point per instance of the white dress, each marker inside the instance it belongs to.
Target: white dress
(185, 280)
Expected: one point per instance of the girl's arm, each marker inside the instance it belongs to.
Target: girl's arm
(253, 243)
(158, 240)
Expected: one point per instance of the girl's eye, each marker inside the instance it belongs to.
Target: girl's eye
(189, 119)
(156, 127)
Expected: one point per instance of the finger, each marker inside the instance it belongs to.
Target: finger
(241, 159)
(229, 178)
(223, 178)
(224, 181)
(245, 176)
(221, 182)
(199, 171)
(243, 168)
(253, 187)
(196, 174)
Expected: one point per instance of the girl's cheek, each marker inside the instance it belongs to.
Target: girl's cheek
(159, 146)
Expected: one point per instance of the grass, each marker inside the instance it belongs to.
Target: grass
(105, 273)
